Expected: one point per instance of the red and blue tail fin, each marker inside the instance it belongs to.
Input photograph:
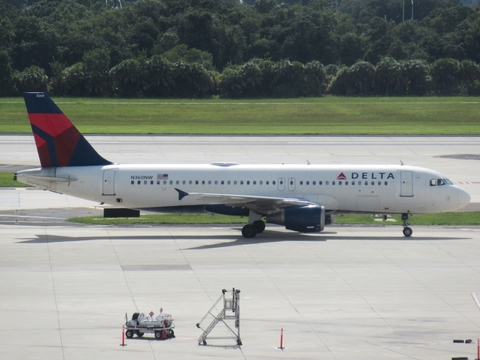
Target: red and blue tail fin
(58, 141)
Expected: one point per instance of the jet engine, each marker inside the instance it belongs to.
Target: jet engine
(305, 219)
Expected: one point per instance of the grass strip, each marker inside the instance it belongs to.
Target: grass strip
(6, 180)
(327, 115)
(162, 219)
(450, 219)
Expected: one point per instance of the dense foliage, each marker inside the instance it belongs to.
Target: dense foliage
(262, 48)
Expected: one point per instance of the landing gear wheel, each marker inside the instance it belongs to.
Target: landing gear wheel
(407, 231)
(259, 225)
(158, 335)
(249, 231)
(129, 334)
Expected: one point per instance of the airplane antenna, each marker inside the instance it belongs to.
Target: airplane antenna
(401, 163)
(308, 162)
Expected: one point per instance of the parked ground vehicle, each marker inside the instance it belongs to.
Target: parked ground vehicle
(161, 326)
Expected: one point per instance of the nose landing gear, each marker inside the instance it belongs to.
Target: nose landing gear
(407, 231)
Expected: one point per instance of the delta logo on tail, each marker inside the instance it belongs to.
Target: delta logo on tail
(58, 141)
(341, 176)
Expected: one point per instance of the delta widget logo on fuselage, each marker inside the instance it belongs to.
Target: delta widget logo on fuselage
(367, 176)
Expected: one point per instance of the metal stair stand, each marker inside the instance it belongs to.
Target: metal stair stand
(230, 311)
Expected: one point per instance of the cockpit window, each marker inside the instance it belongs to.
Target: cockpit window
(440, 182)
(444, 182)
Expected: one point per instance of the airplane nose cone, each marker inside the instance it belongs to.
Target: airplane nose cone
(463, 198)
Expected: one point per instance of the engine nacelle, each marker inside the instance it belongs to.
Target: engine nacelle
(306, 219)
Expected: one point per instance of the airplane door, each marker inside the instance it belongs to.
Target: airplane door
(291, 184)
(108, 183)
(281, 184)
(406, 178)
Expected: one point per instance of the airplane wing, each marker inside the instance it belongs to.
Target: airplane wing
(259, 204)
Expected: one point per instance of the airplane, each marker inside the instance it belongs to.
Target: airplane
(303, 198)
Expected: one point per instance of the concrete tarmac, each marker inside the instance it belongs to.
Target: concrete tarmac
(346, 293)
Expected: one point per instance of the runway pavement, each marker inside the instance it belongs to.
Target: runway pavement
(346, 293)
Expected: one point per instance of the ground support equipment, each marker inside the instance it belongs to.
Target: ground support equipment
(162, 326)
(230, 312)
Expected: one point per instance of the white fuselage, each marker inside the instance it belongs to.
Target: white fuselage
(379, 189)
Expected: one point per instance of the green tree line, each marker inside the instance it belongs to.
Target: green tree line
(230, 48)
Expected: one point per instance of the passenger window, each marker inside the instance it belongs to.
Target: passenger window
(132, 182)
(223, 182)
(235, 182)
(333, 182)
(151, 182)
(301, 182)
(248, 182)
(353, 182)
(164, 182)
(313, 183)
(386, 183)
(366, 182)
(273, 182)
(177, 182)
(241, 182)
(196, 182)
(228, 182)
(190, 182)
(379, 183)
(326, 182)
(339, 183)
(261, 182)
(320, 183)
(267, 182)
(254, 182)
(346, 182)
(203, 182)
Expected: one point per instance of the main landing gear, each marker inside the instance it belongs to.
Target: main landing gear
(407, 231)
(251, 230)
(255, 225)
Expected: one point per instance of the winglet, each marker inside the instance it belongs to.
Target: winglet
(181, 194)
(58, 141)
